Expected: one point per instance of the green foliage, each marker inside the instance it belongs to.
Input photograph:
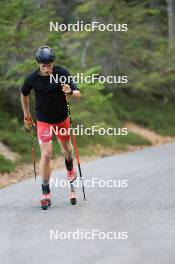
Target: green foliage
(14, 136)
(6, 165)
(93, 107)
(147, 112)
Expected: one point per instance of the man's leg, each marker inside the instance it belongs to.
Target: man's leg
(44, 166)
(45, 143)
(45, 171)
(67, 150)
(66, 147)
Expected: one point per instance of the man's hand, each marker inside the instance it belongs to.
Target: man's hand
(28, 121)
(66, 89)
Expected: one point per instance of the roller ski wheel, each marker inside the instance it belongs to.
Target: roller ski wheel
(73, 199)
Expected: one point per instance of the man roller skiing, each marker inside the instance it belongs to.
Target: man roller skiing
(51, 110)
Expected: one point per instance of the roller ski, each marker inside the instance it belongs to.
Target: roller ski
(73, 199)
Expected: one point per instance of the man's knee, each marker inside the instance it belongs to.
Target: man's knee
(46, 155)
(66, 145)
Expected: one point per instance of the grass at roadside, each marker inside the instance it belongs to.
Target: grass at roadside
(150, 113)
(6, 165)
(88, 144)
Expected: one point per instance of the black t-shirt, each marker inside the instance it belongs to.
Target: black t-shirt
(51, 106)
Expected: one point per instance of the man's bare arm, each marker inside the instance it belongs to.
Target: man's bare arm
(25, 104)
(28, 121)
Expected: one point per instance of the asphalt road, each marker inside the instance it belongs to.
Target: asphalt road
(144, 210)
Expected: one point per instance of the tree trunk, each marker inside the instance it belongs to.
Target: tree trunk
(84, 54)
(153, 4)
(171, 21)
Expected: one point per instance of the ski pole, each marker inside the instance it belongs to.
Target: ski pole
(33, 152)
(76, 150)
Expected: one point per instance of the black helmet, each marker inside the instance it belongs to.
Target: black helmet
(45, 55)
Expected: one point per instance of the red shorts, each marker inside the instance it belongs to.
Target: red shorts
(45, 131)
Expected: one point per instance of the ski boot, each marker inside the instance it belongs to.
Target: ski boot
(46, 197)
